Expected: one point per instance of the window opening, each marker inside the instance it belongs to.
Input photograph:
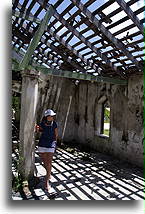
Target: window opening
(105, 123)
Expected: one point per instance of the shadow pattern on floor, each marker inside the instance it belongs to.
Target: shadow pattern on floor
(92, 176)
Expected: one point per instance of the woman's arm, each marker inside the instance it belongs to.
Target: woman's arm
(56, 133)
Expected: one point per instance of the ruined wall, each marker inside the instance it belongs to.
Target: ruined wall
(80, 121)
(49, 94)
(83, 118)
(127, 130)
(126, 134)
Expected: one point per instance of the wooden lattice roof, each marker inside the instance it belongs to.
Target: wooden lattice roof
(101, 38)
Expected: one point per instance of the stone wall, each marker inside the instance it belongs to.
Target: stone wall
(83, 118)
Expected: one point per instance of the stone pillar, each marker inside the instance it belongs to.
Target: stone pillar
(29, 99)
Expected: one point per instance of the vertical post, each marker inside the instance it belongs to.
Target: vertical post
(29, 99)
(67, 114)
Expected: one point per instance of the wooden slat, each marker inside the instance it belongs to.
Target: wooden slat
(103, 7)
(107, 33)
(24, 5)
(113, 13)
(90, 26)
(82, 38)
(124, 18)
(36, 38)
(63, 42)
(89, 2)
(130, 14)
(56, 60)
(80, 49)
(115, 24)
(31, 6)
(115, 34)
(15, 3)
(57, 3)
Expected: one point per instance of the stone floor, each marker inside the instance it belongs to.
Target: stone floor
(81, 176)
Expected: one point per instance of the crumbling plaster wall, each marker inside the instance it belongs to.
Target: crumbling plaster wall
(126, 103)
(80, 122)
(127, 133)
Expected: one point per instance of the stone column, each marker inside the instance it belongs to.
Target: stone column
(29, 97)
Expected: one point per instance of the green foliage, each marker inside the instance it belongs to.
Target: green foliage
(106, 116)
(106, 132)
(16, 183)
(16, 175)
(16, 103)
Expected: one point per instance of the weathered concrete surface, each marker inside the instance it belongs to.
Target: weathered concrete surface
(83, 122)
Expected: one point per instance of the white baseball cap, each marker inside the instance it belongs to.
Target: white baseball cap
(49, 112)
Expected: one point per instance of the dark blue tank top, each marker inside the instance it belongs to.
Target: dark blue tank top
(48, 134)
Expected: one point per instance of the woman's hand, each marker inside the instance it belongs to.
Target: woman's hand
(38, 128)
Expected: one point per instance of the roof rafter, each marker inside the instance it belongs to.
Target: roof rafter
(83, 39)
(38, 21)
(66, 58)
(71, 41)
(75, 52)
(58, 38)
(74, 32)
(55, 59)
(63, 42)
(131, 15)
(107, 33)
(36, 38)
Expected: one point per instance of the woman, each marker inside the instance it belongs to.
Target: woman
(47, 142)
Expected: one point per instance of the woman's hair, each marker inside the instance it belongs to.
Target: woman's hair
(44, 119)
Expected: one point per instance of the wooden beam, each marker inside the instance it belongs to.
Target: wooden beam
(73, 75)
(19, 54)
(130, 14)
(76, 33)
(87, 22)
(63, 73)
(60, 40)
(26, 16)
(65, 58)
(79, 76)
(55, 59)
(86, 42)
(75, 52)
(82, 38)
(32, 18)
(107, 33)
(36, 38)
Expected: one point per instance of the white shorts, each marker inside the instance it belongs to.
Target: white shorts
(44, 149)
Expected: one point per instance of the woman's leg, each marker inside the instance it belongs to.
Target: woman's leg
(43, 157)
(47, 160)
(49, 164)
